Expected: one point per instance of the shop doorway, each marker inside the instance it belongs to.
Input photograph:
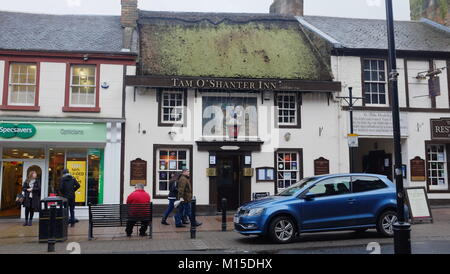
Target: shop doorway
(378, 162)
(230, 182)
(14, 174)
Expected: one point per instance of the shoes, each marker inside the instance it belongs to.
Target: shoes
(129, 235)
(198, 224)
(164, 222)
(72, 225)
(26, 223)
(186, 222)
(180, 226)
(30, 223)
(143, 235)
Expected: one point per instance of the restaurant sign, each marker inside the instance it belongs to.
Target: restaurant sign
(23, 131)
(440, 128)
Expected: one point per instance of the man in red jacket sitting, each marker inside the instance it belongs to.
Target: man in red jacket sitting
(139, 196)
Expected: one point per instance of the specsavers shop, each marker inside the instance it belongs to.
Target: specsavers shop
(86, 149)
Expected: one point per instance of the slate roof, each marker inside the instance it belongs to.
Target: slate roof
(73, 33)
(372, 34)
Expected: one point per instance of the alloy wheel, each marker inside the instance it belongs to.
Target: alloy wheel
(284, 230)
(388, 223)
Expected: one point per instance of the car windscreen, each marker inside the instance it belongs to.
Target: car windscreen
(296, 187)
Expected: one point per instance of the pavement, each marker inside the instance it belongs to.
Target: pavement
(426, 238)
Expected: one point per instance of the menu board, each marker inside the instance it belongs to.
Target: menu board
(418, 204)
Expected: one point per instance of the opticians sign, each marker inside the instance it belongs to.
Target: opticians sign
(23, 131)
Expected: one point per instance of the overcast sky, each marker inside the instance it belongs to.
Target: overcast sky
(341, 8)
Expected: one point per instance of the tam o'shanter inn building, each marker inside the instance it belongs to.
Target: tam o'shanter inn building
(250, 102)
(61, 104)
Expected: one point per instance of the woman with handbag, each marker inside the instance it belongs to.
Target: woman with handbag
(31, 191)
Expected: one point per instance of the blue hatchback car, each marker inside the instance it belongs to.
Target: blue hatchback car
(324, 203)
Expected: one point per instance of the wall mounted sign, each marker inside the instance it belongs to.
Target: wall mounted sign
(353, 140)
(212, 160)
(138, 172)
(418, 172)
(377, 123)
(22, 131)
(211, 172)
(419, 205)
(248, 172)
(434, 86)
(440, 129)
(248, 160)
(265, 174)
(321, 166)
(260, 195)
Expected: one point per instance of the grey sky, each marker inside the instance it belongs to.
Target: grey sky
(341, 8)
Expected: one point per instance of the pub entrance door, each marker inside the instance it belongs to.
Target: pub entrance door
(378, 162)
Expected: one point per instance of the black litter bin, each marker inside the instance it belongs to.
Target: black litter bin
(62, 219)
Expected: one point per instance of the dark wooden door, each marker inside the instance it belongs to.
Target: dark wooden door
(228, 181)
(378, 162)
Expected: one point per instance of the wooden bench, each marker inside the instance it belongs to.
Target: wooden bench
(118, 216)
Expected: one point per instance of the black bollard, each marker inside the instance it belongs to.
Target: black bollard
(224, 214)
(193, 221)
(52, 229)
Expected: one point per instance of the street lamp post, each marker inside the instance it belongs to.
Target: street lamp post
(351, 100)
(402, 229)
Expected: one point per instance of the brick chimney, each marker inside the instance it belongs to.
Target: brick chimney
(129, 13)
(290, 7)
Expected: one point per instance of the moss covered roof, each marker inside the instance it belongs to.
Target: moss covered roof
(227, 45)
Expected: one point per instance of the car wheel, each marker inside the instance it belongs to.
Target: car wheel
(385, 223)
(282, 230)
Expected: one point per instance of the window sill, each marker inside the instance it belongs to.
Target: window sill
(289, 126)
(21, 108)
(81, 109)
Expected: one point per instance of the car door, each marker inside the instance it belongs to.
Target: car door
(369, 192)
(332, 205)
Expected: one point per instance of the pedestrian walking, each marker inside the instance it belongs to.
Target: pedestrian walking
(31, 191)
(67, 187)
(173, 195)
(139, 196)
(185, 197)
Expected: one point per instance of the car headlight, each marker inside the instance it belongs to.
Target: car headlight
(254, 212)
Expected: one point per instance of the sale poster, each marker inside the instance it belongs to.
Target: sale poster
(78, 170)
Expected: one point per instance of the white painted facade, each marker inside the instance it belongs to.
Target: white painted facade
(51, 101)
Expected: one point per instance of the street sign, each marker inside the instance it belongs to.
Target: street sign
(353, 140)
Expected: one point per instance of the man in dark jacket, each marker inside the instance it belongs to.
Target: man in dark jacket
(67, 188)
(185, 197)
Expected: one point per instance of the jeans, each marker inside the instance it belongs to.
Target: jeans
(71, 203)
(169, 209)
(184, 209)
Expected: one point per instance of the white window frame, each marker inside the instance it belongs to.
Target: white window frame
(181, 107)
(297, 170)
(295, 109)
(81, 86)
(437, 170)
(12, 84)
(385, 82)
(158, 168)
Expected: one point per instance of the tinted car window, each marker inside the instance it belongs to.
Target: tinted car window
(294, 188)
(363, 184)
(330, 187)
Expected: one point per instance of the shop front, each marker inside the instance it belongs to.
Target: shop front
(48, 148)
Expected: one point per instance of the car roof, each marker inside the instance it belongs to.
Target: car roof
(348, 174)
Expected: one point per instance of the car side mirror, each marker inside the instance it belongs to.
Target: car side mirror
(309, 196)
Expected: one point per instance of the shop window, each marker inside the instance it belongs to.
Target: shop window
(287, 108)
(437, 167)
(86, 165)
(170, 162)
(375, 82)
(288, 169)
(172, 107)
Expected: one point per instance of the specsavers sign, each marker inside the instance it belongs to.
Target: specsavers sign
(23, 131)
(78, 170)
